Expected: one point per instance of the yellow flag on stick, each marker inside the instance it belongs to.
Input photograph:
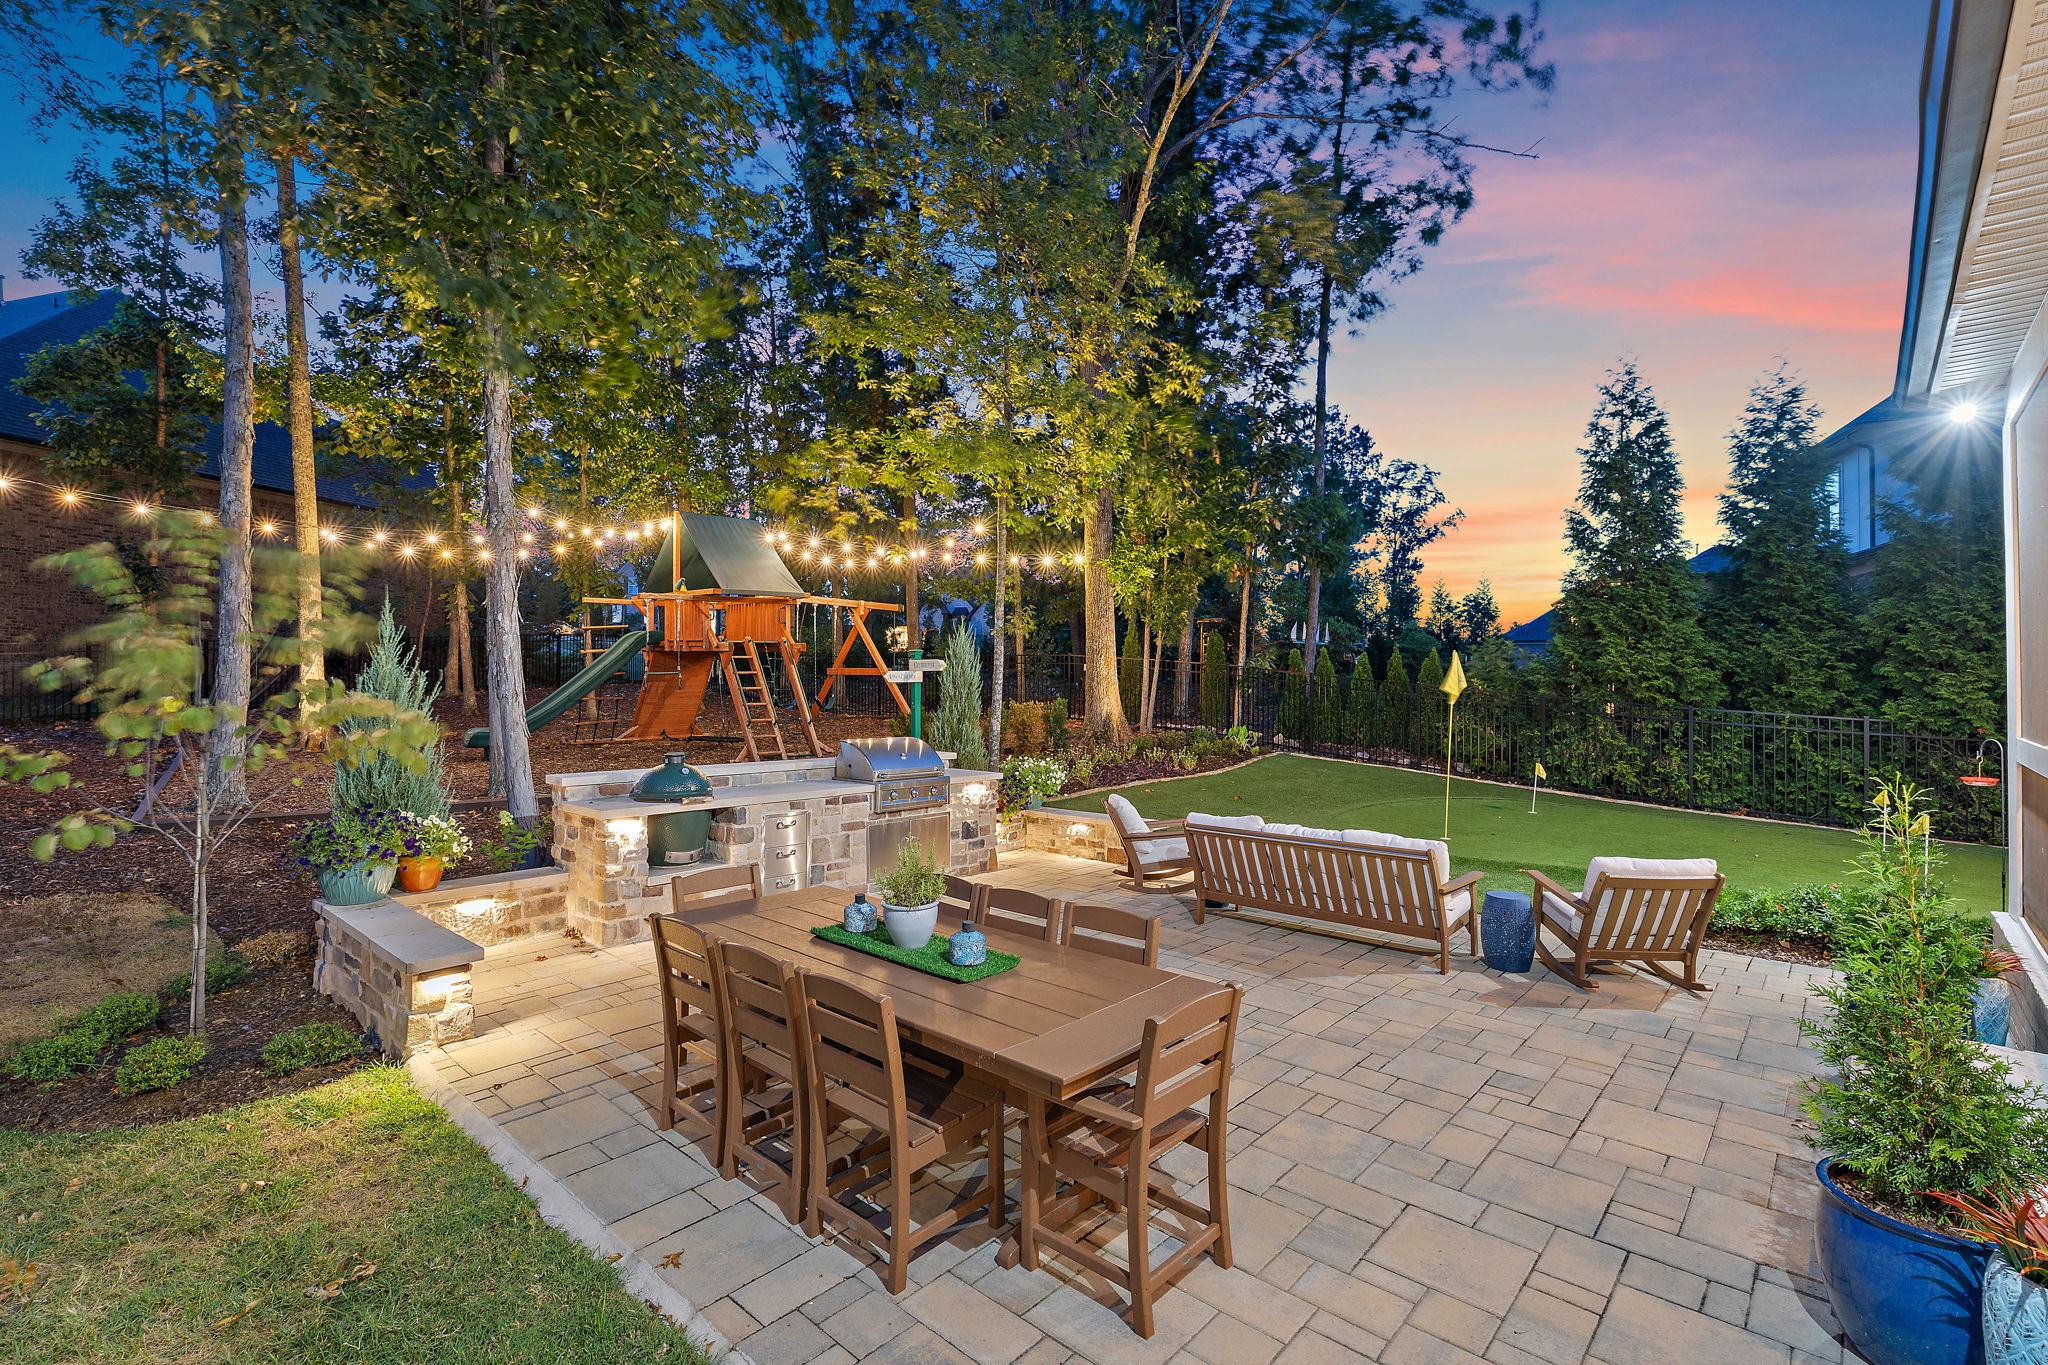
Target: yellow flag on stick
(1454, 688)
(1540, 778)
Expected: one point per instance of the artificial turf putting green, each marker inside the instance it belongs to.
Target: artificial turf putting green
(1493, 832)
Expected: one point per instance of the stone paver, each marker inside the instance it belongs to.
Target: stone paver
(1424, 1168)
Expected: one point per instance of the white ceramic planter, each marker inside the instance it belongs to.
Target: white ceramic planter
(910, 926)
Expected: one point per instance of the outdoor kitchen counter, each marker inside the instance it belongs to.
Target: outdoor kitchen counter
(721, 798)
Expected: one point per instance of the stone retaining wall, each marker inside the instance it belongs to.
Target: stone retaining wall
(1074, 833)
(402, 1003)
(497, 908)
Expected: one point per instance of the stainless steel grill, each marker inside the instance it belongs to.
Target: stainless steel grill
(908, 774)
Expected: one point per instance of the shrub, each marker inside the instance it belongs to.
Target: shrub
(273, 949)
(1056, 723)
(55, 1057)
(384, 782)
(1322, 701)
(1358, 704)
(1130, 666)
(221, 973)
(1397, 701)
(1293, 718)
(315, 1044)
(515, 841)
(118, 1015)
(1024, 726)
(1813, 911)
(1917, 1109)
(1215, 680)
(957, 726)
(158, 1064)
(1025, 778)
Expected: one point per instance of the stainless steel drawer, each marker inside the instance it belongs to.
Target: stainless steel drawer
(786, 831)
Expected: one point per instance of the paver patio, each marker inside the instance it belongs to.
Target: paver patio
(1423, 1168)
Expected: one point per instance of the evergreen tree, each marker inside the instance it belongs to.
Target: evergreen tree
(1130, 665)
(1427, 730)
(1215, 681)
(390, 781)
(1397, 703)
(1628, 624)
(1324, 706)
(957, 726)
(1478, 615)
(1936, 620)
(1359, 704)
(1293, 718)
(1443, 620)
(1779, 616)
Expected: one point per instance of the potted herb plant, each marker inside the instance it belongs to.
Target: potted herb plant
(1916, 1110)
(353, 854)
(2015, 1318)
(431, 842)
(910, 894)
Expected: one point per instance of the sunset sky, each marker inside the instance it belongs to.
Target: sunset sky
(1719, 183)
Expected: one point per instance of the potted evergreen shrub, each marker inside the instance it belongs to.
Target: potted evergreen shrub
(353, 854)
(910, 894)
(1916, 1109)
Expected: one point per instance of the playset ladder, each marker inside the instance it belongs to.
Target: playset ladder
(752, 701)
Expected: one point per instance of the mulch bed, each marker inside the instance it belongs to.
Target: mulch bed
(240, 1020)
(1808, 952)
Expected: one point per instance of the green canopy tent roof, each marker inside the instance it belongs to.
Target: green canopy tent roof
(723, 553)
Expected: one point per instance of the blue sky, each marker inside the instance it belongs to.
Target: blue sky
(1719, 184)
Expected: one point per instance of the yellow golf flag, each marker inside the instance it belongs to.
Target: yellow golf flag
(1544, 776)
(1454, 681)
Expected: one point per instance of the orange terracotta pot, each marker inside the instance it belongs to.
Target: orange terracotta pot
(419, 874)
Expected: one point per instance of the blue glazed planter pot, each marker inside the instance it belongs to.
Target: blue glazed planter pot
(1991, 1020)
(2015, 1318)
(1903, 1295)
(356, 885)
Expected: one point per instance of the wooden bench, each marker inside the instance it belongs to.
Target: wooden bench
(1361, 879)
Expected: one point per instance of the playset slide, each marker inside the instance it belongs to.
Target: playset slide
(557, 703)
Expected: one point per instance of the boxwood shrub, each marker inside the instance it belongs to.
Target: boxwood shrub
(315, 1044)
(158, 1064)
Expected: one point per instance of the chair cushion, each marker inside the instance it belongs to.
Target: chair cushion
(1124, 816)
(1245, 822)
(1439, 851)
(1458, 902)
(1163, 851)
(1648, 867)
(1560, 914)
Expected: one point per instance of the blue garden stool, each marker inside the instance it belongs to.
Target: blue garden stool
(1507, 931)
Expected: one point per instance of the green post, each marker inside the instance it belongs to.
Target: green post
(917, 699)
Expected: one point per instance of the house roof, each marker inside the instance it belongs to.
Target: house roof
(725, 553)
(42, 322)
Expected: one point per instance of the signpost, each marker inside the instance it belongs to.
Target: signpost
(914, 677)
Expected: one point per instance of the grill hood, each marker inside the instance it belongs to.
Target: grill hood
(887, 760)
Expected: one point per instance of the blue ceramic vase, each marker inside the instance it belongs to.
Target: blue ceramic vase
(968, 948)
(859, 916)
(1991, 1019)
(2015, 1317)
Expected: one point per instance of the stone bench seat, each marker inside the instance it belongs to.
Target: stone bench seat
(405, 978)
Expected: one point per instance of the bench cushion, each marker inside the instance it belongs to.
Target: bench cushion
(1254, 823)
(1439, 852)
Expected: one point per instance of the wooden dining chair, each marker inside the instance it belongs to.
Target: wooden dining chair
(908, 1116)
(960, 901)
(1019, 911)
(693, 1054)
(1106, 1144)
(766, 1120)
(719, 884)
(1112, 932)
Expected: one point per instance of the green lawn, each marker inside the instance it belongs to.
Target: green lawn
(199, 1241)
(1493, 832)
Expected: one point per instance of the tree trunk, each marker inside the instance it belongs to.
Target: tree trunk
(231, 682)
(1314, 621)
(912, 615)
(459, 674)
(1184, 667)
(202, 856)
(1244, 637)
(1103, 702)
(299, 406)
(505, 671)
(1002, 593)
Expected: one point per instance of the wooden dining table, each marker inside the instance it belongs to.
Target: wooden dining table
(1058, 1022)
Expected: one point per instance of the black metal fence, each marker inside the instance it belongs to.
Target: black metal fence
(1815, 769)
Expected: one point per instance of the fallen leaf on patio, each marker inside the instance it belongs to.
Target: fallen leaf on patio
(613, 1259)
(523, 1179)
(672, 1261)
(543, 957)
(231, 1319)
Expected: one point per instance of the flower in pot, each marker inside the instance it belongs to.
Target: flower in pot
(910, 894)
(1915, 1109)
(2015, 1318)
(431, 842)
(353, 854)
